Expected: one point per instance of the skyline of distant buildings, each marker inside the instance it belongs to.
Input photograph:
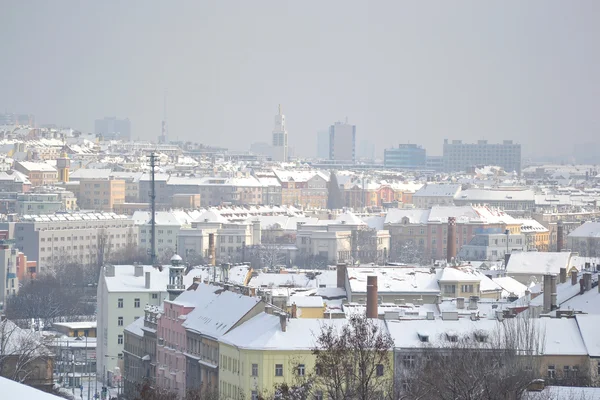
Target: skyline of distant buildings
(342, 142)
(113, 128)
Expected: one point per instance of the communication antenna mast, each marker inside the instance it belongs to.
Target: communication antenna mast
(153, 258)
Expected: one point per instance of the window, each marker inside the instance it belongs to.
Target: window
(318, 369)
(119, 303)
(551, 372)
(466, 288)
(120, 321)
(379, 369)
(566, 371)
(254, 369)
(136, 303)
(301, 369)
(278, 369)
(408, 361)
(449, 289)
(120, 339)
(254, 395)
(155, 295)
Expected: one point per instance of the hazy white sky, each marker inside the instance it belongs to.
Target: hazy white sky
(401, 71)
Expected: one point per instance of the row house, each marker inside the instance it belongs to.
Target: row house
(307, 189)
(426, 230)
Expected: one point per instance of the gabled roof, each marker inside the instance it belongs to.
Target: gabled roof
(538, 263)
(590, 229)
(216, 310)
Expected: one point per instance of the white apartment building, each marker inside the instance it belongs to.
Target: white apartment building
(123, 293)
(71, 237)
(433, 194)
(168, 225)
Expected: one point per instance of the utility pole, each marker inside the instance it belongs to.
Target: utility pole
(153, 258)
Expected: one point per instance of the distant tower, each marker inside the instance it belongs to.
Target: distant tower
(176, 286)
(163, 134)
(63, 164)
(280, 138)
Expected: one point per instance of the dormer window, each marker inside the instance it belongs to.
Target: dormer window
(452, 337)
(481, 336)
(423, 337)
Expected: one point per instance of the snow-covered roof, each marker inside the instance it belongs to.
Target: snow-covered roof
(564, 392)
(438, 190)
(510, 285)
(485, 195)
(37, 166)
(126, 281)
(135, 327)
(301, 279)
(588, 326)
(537, 263)
(306, 301)
(15, 390)
(394, 279)
(590, 229)
(440, 214)
(216, 310)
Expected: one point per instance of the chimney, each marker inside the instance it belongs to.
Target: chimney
(341, 276)
(563, 275)
(269, 309)
(294, 310)
(212, 255)
(430, 316)
(460, 303)
(527, 295)
(138, 270)
(574, 277)
(547, 293)
(438, 299)
(109, 270)
(283, 321)
(587, 281)
(147, 284)
(372, 297)
(473, 302)
(553, 295)
(560, 236)
(253, 292)
(451, 242)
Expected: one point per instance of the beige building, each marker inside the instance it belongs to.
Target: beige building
(39, 174)
(101, 194)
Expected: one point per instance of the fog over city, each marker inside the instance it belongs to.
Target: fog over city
(400, 71)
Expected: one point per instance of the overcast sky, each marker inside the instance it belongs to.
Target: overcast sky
(402, 72)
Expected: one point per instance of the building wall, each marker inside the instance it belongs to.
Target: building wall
(342, 142)
(101, 194)
(459, 156)
(134, 368)
(407, 156)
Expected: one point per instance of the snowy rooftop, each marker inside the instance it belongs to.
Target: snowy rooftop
(484, 195)
(15, 390)
(538, 263)
(441, 190)
(463, 215)
(299, 279)
(588, 230)
(216, 310)
(306, 301)
(394, 279)
(126, 281)
(136, 327)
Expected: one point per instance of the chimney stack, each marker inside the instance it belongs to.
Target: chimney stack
(294, 310)
(587, 281)
(341, 275)
(147, 283)
(563, 275)
(574, 277)
(547, 293)
(473, 302)
(451, 242)
(283, 321)
(212, 255)
(553, 295)
(138, 270)
(372, 297)
(460, 303)
(109, 270)
(560, 236)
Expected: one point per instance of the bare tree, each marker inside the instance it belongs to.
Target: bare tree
(497, 365)
(354, 362)
(408, 252)
(23, 357)
(148, 391)
(268, 255)
(364, 248)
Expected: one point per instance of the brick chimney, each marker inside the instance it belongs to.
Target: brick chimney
(563, 275)
(212, 254)
(294, 310)
(283, 321)
(451, 242)
(574, 277)
(553, 294)
(560, 236)
(341, 276)
(372, 297)
(547, 293)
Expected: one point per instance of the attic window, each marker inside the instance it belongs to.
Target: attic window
(481, 336)
(423, 337)
(452, 336)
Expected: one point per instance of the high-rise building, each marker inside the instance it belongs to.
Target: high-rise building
(280, 138)
(342, 142)
(112, 128)
(17, 119)
(323, 145)
(406, 156)
(459, 156)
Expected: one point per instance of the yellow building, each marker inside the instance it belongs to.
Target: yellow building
(74, 329)
(101, 194)
(269, 350)
(306, 306)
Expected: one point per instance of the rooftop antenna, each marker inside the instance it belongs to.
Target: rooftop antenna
(153, 258)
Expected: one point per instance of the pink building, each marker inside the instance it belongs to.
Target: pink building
(170, 358)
